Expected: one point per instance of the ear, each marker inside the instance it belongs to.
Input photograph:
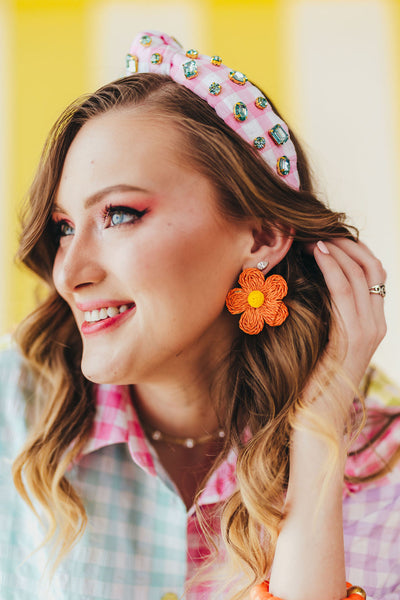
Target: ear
(269, 245)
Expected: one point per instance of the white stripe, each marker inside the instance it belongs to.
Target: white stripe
(342, 72)
(112, 27)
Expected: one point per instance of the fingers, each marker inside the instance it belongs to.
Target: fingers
(350, 269)
(363, 270)
(372, 266)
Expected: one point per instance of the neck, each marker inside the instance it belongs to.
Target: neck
(180, 409)
(179, 399)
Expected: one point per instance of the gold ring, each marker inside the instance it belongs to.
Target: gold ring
(378, 289)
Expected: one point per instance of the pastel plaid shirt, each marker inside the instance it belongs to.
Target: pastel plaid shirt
(140, 541)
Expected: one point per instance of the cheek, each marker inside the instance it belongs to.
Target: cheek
(159, 254)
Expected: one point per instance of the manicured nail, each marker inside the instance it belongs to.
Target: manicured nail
(323, 247)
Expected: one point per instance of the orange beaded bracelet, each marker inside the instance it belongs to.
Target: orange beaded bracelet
(261, 592)
(355, 592)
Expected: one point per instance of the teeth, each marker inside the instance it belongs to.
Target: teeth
(91, 316)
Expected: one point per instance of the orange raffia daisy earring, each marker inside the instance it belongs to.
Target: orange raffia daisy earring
(259, 299)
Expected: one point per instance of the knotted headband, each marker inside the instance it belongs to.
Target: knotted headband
(235, 99)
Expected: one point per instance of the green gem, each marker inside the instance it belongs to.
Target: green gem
(190, 69)
(283, 165)
(131, 63)
(259, 143)
(215, 89)
(145, 40)
(237, 77)
(240, 111)
(156, 58)
(192, 53)
(261, 102)
(216, 60)
(278, 134)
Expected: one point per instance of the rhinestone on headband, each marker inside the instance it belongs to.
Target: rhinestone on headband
(237, 77)
(131, 63)
(240, 111)
(283, 165)
(259, 142)
(215, 88)
(216, 60)
(261, 102)
(145, 40)
(192, 53)
(156, 58)
(278, 134)
(190, 69)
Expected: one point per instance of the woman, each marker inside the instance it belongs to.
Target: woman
(169, 438)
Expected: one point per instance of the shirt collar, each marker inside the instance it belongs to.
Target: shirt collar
(117, 422)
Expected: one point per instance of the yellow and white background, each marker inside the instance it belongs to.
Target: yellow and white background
(332, 67)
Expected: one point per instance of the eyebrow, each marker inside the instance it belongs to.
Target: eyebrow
(97, 196)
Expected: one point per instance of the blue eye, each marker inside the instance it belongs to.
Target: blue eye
(122, 215)
(119, 217)
(62, 229)
(66, 229)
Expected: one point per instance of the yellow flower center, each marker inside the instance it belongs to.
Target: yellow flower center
(255, 299)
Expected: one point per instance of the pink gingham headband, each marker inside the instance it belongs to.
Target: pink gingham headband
(237, 101)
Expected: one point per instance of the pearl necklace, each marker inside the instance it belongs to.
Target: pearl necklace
(188, 442)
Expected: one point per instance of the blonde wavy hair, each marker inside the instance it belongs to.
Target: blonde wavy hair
(261, 383)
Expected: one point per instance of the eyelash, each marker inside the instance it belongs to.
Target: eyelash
(107, 215)
(56, 229)
(110, 210)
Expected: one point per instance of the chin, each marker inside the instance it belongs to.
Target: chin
(101, 371)
(108, 370)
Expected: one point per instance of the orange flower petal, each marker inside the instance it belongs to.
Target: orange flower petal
(251, 321)
(236, 301)
(274, 312)
(251, 279)
(275, 287)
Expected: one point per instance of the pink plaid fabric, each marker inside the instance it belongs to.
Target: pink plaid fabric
(258, 122)
(370, 533)
(116, 422)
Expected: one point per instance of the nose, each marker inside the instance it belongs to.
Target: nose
(77, 264)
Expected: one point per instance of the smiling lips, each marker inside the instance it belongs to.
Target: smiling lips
(104, 313)
(102, 318)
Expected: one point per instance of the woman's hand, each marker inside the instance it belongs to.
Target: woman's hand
(350, 269)
(358, 326)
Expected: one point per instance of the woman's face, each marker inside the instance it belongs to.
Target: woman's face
(144, 260)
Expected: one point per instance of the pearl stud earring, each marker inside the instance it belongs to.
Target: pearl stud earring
(263, 264)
